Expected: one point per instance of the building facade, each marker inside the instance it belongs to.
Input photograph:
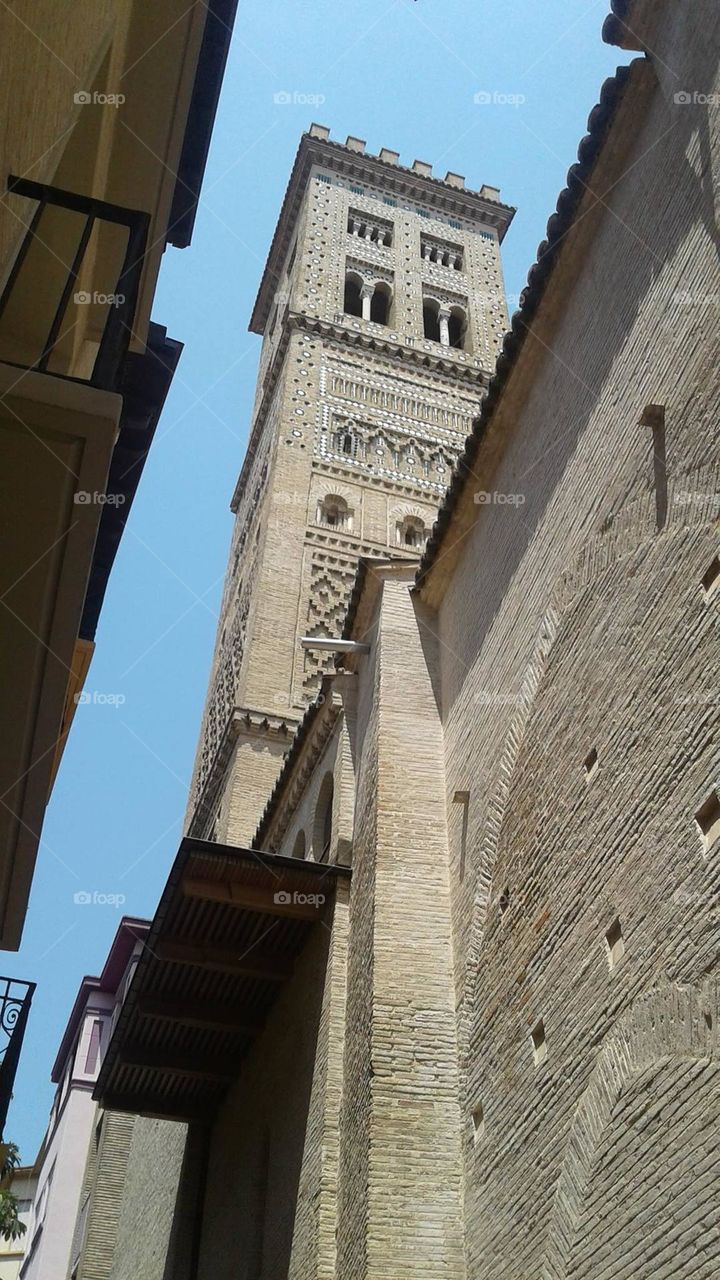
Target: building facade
(68, 1198)
(455, 1013)
(12, 1252)
(108, 109)
(381, 309)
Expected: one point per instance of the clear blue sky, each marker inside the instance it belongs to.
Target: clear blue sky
(401, 74)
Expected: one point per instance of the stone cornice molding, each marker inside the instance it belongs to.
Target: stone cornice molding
(243, 721)
(442, 364)
(309, 742)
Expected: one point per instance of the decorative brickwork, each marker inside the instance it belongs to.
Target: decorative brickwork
(355, 434)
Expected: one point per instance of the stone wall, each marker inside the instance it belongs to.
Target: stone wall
(150, 1214)
(574, 623)
(401, 1169)
(270, 1199)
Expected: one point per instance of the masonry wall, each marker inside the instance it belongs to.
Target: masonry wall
(96, 1231)
(143, 1249)
(401, 1172)
(269, 1208)
(573, 622)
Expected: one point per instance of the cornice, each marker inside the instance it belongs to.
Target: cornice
(332, 331)
(626, 27)
(309, 742)
(242, 720)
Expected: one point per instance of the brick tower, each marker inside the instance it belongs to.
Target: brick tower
(381, 310)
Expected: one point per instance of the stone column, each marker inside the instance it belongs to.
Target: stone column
(444, 318)
(366, 295)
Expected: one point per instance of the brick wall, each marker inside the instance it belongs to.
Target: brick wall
(575, 622)
(149, 1217)
(401, 1179)
(270, 1200)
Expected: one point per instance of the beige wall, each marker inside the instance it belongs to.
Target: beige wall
(125, 150)
(571, 623)
(400, 1192)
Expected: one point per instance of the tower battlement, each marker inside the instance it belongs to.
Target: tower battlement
(413, 187)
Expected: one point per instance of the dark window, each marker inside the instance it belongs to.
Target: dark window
(380, 306)
(431, 322)
(352, 305)
(323, 819)
(456, 328)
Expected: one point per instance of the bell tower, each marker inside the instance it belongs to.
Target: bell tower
(381, 309)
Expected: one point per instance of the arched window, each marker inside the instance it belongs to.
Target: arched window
(380, 305)
(346, 442)
(322, 829)
(334, 512)
(431, 320)
(299, 845)
(352, 304)
(411, 532)
(457, 327)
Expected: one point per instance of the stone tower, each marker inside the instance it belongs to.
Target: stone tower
(381, 310)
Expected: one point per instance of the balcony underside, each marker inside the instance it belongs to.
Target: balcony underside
(229, 927)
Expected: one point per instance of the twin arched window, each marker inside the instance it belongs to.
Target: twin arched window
(411, 532)
(322, 826)
(334, 511)
(369, 300)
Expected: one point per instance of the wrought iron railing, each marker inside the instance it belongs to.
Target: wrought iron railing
(120, 313)
(15, 1000)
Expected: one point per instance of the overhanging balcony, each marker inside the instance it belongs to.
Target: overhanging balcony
(229, 927)
(77, 414)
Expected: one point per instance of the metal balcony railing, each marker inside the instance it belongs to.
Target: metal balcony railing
(15, 1000)
(117, 329)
